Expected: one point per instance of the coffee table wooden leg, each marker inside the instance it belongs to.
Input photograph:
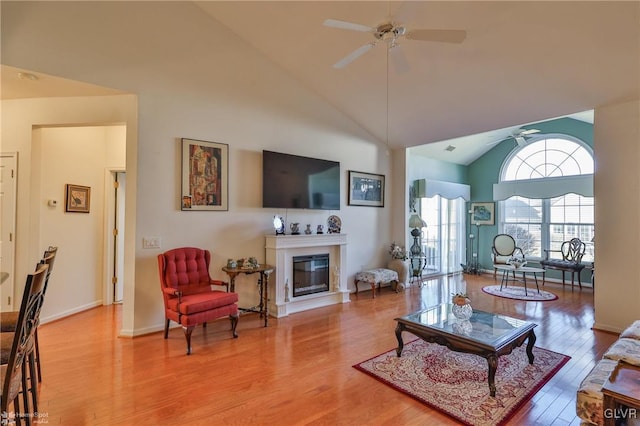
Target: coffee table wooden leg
(531, 341)
(399, 329)
(492, 360)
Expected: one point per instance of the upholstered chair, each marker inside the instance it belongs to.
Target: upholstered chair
(503, 249)
(190, 296)
(570, 260)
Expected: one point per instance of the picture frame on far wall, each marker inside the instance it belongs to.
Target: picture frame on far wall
(366, 189)
(205, 176)
(483, 213)
(78, 198)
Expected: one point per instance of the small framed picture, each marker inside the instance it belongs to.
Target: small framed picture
(366, 189)
(78, 198)
(205, 175)
(483, 213)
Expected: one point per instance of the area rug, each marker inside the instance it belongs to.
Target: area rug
(457, 383)
(517, 292)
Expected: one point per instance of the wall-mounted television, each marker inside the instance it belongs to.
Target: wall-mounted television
(295, 182)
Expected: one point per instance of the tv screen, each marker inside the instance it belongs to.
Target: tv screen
(295, 182)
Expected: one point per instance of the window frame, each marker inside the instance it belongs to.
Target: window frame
(545, 223)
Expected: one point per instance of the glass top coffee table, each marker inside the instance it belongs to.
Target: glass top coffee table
(485, 334)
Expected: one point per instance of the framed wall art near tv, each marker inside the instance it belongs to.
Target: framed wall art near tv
(78, 198)
(205, 175)
(483, 213)
(366, 189)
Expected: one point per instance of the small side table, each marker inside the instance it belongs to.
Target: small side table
(263, 286)
(418, 264)
(621, 389)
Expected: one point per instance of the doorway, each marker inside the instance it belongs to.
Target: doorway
(8, 174)
(116, 184)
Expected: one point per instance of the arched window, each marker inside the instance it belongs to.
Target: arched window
(546, 193)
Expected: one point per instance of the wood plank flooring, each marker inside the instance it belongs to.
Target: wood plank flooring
(297, 371)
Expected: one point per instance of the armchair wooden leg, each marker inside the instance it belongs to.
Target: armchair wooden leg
(187, 335)
(166, 329)
(234, 323)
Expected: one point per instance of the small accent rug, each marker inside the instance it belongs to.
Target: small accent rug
(517, 292)
(457, 383)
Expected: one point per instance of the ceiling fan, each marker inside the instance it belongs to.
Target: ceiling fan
(518, 135)
(390, 33)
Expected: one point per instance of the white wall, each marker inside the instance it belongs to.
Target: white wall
(194, 79)
(616, 137)
(79, 156)
(48, 159)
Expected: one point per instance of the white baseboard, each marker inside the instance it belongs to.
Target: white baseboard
(59, 315)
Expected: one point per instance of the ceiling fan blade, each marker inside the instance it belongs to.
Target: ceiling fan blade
(353, 55)
(528, 131)
(444, 36)
(398, 59)
(334, 23)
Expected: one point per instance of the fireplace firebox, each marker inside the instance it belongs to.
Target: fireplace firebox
(310, 274)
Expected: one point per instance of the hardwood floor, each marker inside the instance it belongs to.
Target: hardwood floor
(296, 371)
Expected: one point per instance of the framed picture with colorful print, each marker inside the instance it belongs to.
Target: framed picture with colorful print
(205, 175)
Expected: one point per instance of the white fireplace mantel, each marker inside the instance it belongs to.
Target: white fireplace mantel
(280, 251)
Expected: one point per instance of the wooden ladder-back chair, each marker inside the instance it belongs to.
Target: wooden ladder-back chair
(14, 372)
(189, 293)
(9, 320)
(571, 253)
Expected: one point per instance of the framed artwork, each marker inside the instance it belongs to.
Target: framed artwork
(205, 175)
(366, 189)
(78, 198)
(483, 213)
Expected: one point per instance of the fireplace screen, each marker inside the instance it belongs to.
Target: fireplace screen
(310, 274)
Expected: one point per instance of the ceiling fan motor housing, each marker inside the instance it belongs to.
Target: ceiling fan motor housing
(389, 32)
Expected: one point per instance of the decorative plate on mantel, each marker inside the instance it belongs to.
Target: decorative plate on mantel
(333, 224)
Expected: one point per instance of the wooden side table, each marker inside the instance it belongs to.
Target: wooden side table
(622, 394)
(263, 286)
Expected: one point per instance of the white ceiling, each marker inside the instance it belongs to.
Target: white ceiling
(521, 63)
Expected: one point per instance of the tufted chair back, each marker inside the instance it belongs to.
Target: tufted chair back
(185, 269)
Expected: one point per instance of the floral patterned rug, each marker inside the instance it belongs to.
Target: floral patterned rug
(457, 383)
(517, 292)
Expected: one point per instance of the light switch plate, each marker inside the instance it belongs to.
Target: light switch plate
(151, 243)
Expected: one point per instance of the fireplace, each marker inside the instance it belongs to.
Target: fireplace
(310, 274)
(280, 250)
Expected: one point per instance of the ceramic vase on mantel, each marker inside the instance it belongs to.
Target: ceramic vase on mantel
(401, 267)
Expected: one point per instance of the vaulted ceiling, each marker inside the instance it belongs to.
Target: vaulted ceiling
(520, 63)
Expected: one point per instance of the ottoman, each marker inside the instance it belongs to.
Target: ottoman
(375, 277)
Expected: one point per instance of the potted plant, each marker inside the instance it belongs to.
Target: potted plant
(398, 262)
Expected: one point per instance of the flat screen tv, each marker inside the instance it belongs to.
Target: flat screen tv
(295, 182)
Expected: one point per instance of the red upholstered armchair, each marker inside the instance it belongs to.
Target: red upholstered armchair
(190, 295)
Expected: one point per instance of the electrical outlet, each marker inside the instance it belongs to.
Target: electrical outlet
(151, 243)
